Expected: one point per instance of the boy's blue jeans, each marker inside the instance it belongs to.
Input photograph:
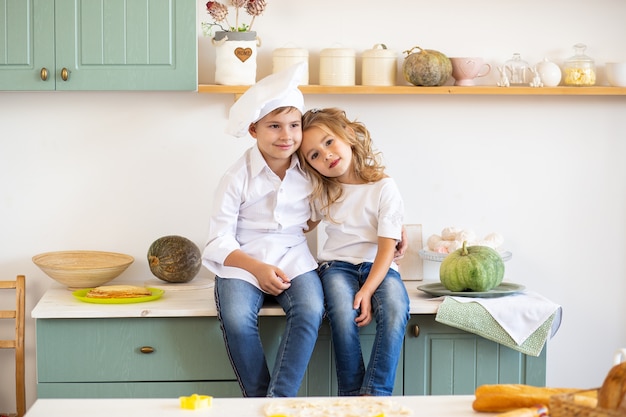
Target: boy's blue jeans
(238, 304)
(390, 306)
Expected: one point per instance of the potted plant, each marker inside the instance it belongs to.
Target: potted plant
(235, 60)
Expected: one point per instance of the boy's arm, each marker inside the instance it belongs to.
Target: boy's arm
(380, 267)
(271, 278)
(401, 246)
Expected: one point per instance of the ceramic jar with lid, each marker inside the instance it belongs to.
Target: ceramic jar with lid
(549, 72)
(579, 70)
(379, 66)
(283, 58)
(337, 66)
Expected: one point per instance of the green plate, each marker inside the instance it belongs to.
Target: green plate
(81, 295)
(506, 288)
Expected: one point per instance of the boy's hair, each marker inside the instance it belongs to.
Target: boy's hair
(278, 110)
(366, 161)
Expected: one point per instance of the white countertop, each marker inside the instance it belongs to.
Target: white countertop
(431, 406)
(58, 302)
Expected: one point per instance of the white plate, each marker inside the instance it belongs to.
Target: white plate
(437, 289)
(438, 257)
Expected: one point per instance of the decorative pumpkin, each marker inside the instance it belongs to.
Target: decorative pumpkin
(174, 259)
(472, 268)
(426, 67)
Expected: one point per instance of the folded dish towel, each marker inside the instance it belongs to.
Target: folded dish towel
(522, 321)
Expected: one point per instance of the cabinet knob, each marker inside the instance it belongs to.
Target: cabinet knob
(44, 74)
(65, 74)
(146, 349)
(416, 330)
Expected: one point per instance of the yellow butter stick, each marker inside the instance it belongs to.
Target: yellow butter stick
(195, 402)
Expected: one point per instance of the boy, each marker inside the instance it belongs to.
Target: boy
(257, 248)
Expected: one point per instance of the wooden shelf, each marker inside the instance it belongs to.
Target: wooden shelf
(449, 90)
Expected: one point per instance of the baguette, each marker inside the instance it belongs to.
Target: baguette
(499, 398)
(612, 393)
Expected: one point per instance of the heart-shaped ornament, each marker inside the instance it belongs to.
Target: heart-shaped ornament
(243, 53)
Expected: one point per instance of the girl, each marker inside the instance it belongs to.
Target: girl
(362, 212)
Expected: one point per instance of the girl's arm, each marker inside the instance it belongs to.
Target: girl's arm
(380, 267)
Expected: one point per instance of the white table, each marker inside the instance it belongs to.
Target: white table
(426, 406)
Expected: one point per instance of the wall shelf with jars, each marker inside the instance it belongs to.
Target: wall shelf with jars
(237, 90)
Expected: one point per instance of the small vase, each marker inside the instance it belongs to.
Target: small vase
(235, 57)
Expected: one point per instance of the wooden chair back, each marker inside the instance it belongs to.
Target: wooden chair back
(18, 315)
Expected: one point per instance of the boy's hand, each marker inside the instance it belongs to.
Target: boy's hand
(401, 247)
(272, 279)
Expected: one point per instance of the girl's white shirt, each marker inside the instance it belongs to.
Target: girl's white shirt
(263, 216)
(364, 213)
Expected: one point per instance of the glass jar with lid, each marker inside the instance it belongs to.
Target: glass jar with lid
(579, 70)
(518, 70)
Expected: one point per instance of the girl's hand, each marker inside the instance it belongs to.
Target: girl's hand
(363, 301)
(271, 279)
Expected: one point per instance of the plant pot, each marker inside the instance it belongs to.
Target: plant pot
(235, 57)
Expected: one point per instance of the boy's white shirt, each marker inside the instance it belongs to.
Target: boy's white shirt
(263, 216)
(364, 213)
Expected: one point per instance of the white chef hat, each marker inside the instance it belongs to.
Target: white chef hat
(277, 90)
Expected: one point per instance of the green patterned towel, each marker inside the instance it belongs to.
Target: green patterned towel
(474, 318)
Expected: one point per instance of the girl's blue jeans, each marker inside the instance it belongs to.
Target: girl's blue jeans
(238, 304)
(390, 306)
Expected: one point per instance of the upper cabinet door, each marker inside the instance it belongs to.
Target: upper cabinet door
(27, 45)
(126, 45)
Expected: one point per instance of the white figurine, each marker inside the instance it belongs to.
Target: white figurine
(504, 79)
(536, 81)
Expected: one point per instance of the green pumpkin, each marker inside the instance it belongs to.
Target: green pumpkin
(472, 268)
(174, 259)
(426, 68)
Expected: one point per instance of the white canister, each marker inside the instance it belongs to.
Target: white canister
(283, 58)
(337, 66)
(379, 66)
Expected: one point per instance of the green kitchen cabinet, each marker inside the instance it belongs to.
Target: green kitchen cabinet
(175, 356)
(443, 360)
(98, 45)
(162, 357)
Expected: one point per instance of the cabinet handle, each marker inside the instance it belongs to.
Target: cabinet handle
(146, 349)
(44, 74)
(416, 330)
(65, 74)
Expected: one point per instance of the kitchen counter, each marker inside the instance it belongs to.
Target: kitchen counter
(432, 406)
(58, 302)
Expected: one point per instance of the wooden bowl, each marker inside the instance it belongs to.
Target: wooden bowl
(81, 268)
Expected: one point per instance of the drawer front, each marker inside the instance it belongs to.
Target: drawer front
(110, 350)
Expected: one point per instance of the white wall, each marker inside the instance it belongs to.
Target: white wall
(115, 171)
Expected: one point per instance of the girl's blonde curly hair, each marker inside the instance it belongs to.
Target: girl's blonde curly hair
(366, 161)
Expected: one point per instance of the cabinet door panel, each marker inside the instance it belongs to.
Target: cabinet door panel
(443, 360)
(26, 44)
(126, 45)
